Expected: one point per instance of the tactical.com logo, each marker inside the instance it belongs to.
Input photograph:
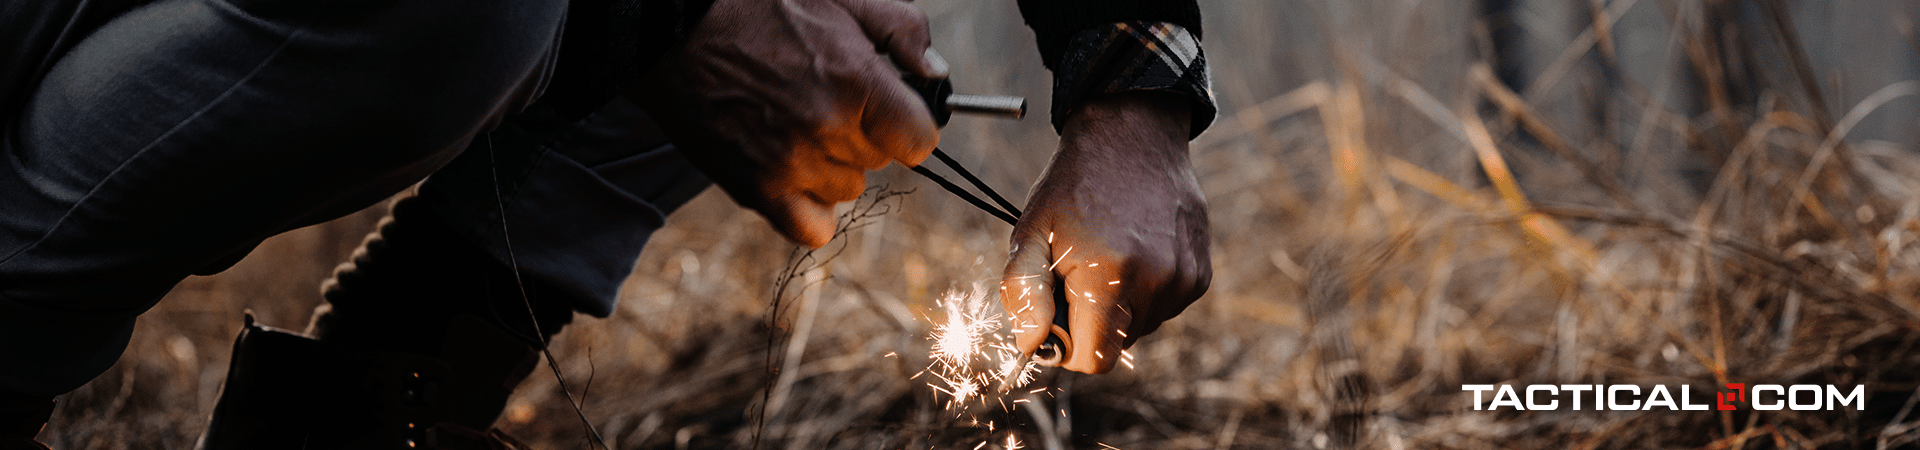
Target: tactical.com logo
(1626, 397)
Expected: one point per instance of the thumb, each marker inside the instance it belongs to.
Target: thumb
(900, 30)
(1027, 291)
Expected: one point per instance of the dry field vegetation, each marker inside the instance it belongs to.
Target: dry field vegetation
(1390, 222)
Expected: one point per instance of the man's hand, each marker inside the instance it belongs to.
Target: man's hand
(1119, 223)
(786, 103)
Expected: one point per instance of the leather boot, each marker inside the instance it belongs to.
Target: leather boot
(422, 340)
(285, 390)
(20, 421)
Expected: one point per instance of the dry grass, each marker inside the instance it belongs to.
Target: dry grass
(1390, 223)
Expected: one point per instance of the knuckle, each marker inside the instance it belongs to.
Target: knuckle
(915, 20)
(846, 73)
(905, 16)
(804, 123)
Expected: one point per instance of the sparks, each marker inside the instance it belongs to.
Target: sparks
(1109, 447)
(1063, 257)
(970, 354)
(975, 362)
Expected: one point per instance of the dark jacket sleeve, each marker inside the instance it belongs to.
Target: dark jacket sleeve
(609, 43)
(1099, 47)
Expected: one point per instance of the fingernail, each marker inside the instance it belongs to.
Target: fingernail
(936, 66)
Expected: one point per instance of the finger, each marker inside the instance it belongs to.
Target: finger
(851, 148)
(1181, 288)
(1026, 287)
(800, 217)
(901, 30)
(1099, 312)
(896, 122)
(1197, 264)
(833, 184)
(1196, 277)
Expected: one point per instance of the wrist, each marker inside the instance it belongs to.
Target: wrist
(1132, 125)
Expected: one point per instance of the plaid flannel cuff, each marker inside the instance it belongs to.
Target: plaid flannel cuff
(1133, 56)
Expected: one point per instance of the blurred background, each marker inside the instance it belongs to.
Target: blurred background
(1406, 196)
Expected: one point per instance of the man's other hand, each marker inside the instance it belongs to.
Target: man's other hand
(1118, 223)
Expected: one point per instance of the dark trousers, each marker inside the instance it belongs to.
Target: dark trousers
(148, 141)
